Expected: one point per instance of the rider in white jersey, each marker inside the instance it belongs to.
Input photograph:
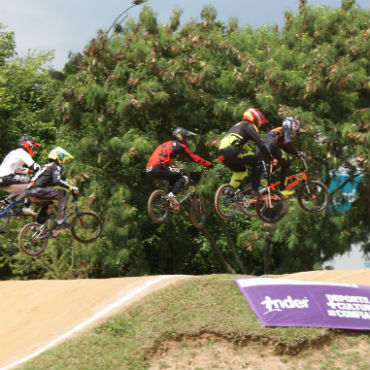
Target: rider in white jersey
(13, 172)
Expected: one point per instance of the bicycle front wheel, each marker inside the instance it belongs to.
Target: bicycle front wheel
(225, 203)
(86, 227)
(197, 211)
(271, 208)
(157, 206)
(313, 196)
(33, 239)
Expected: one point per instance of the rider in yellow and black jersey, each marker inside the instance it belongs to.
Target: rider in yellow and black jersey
(236, 149)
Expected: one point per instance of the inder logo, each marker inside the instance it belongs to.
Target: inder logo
(272, 305)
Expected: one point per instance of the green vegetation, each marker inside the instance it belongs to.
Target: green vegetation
(202, 315)
(112, 104)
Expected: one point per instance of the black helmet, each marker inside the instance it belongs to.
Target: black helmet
(181, 134)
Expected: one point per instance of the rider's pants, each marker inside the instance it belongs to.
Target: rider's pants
(45, 196)
(237, 159)
(16, 185)
(175, 176)
(283, 161)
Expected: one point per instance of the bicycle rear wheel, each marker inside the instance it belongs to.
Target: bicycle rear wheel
(313, 196)
(86, 227)
(271, 209)
(32, 239)
(157, 206)
(225, 203)
(197, 211)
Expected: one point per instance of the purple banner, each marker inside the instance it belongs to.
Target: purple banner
(279, 302)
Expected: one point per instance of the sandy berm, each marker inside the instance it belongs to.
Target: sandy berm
(36, 315)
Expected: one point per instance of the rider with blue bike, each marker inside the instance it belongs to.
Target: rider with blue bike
(13, 173)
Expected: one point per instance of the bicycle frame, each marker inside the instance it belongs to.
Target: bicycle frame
(294, 179)
(189, 189)
(6, 211)
(71, 208)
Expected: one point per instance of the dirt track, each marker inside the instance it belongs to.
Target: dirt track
(37, 314)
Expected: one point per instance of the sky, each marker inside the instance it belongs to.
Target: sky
(68, 25)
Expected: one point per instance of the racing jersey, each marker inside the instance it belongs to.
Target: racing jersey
(167, 152)
(243, 134)
(15, 160)
(49, 175)
(283, 138)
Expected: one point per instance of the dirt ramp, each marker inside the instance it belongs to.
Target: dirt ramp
(359, 277)
(36, 314)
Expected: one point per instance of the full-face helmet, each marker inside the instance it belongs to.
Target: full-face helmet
(28, 144)
(60, 156)
(293, 125)
(255, 117)
(182, 134)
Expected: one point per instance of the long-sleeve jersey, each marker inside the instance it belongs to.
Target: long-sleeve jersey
(240, 135)
(283, 138)
(13, 163)
(49, 175)
(167, 152)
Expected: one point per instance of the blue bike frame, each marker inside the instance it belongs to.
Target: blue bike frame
(16, 212)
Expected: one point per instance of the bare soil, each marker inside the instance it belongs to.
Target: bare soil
(34, 313)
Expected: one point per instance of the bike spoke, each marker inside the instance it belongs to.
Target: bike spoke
(225, 201)
(32, 239)
(313, 196)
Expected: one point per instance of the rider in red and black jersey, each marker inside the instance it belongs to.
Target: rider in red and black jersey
(158, 165)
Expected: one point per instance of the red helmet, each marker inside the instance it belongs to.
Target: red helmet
(28, 144)
(255, 117)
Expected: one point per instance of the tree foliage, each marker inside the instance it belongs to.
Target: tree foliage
(125, 94)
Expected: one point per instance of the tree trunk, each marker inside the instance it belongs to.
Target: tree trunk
(267, 254)
(217, 251)
(235, 252)
(301, 5)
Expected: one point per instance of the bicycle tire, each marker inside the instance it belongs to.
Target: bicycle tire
(226, 206)
(157, 206)
(247, 203)
(31, 247)
(197, 212)
(86, 227)
(313, 196)
(271, 215)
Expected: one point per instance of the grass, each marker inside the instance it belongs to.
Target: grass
(203, 323)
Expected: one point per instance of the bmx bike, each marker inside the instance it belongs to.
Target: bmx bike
(313, 195)
(86, 227)
(7, 211)
(270, 206)
(160, 206)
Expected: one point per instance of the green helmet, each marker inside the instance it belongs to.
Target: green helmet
(60, 156)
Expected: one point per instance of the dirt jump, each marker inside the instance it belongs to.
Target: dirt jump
(36, 315)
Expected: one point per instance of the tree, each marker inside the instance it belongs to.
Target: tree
(125, 94)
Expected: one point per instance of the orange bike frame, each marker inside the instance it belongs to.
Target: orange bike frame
(297, 177)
